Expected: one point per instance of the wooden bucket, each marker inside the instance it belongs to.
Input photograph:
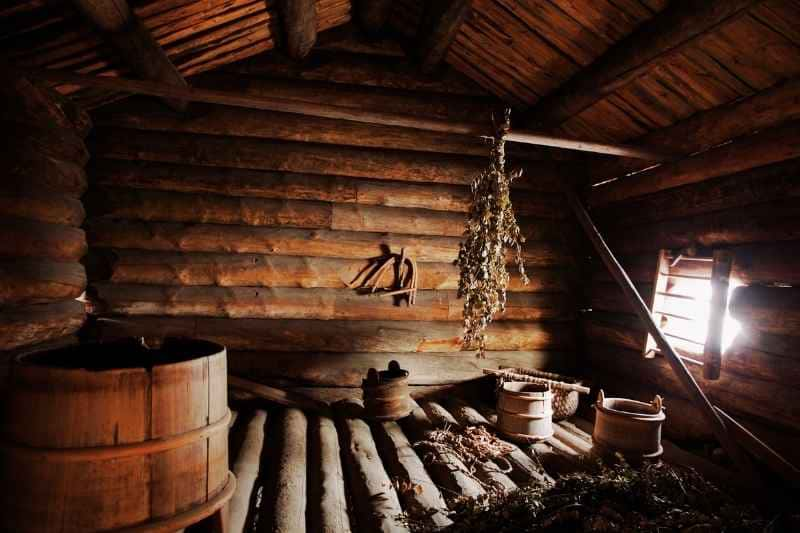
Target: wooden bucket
(115, 437)
(524, 410)
(386, 393)
(628, 427)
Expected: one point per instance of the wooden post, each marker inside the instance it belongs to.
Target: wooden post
(299, 26)
(720, 281)
(692, 389)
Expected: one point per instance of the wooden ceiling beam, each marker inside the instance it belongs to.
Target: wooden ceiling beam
(681, 25)
(285, 105)
(134, 42)
(299, 26)
(442, 22)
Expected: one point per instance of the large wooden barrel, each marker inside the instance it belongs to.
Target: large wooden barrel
(115, 436)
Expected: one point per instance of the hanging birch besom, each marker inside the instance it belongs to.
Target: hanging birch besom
(491, 230)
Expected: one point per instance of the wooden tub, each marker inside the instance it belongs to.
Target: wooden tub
(115, 437)
(628, 427)
(524, 410)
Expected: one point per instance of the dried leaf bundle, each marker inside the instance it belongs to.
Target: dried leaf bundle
(491, 230)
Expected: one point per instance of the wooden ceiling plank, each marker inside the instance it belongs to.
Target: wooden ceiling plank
(704, 130)
(754, 52)
(133, 42)
(440, 27)
(653, 43)
(559, 29)
(299, 27)
(781, 16)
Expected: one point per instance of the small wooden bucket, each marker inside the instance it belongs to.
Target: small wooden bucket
(628, 427)
(524, 410)
(115, 437)
(386, 393)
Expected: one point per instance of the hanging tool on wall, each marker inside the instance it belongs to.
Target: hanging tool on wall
(401, 266)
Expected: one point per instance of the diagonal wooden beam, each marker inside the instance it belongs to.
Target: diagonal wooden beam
(442, 22)
(133, 41)
(299, 26)
(679, 26)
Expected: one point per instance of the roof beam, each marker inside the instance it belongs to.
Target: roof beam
(442, 22)
(652, 44)
(133, 41)
(299, 26)
(285, 105)
(702, 131)
(763, 148)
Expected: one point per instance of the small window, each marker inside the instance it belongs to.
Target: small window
(685, 306)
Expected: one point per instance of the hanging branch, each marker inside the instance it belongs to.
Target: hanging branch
(491, 229)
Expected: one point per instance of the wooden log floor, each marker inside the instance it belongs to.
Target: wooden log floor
(299, 471)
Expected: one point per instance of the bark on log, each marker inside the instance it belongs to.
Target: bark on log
(34, 324)
(31, 282)
(323, 369)
(652, 44)
(772, 309)
(246, 468)
(260, 154)
(299, 26)
(374, 497)
(771, 183)
(288, 513)
(340, 336)
(27, 239)
(703, 130)
(420, 495)
(777, 221)
(317, 304)
(28, 172)
(292, 186)
(763, 148)
(252, 270)
(446, 469)
(327, 501)
(50, 208)
(292, 242)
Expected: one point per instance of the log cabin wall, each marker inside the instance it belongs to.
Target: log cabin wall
(245, 227)
(740, 196)
(41, 243)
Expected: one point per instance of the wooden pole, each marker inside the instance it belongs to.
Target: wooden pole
(285, 105)
(720, 281)
(444, 21)
(299, 26)
(692, 389)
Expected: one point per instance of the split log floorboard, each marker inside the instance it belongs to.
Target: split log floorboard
(301, 472)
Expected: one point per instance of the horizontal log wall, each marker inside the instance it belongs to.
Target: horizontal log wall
(41, 243)
(247, 227)
(754, 214)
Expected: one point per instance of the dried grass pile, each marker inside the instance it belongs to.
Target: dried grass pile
(656, 498)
